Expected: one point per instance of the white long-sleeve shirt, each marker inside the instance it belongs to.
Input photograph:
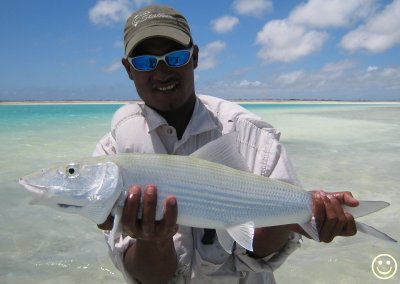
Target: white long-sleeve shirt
(137, 128)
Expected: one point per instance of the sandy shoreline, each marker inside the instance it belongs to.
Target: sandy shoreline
(237, 101)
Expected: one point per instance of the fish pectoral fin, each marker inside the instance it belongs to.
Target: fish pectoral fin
(225, 240)
(224, 151)
(117, 212)
(311, 229)
(366, 229)
(243, 234)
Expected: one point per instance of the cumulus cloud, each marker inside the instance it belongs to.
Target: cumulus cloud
(378, 34)
(247, 84)
(107, 12)
(304, 31)
(252, 7)
(208, 55)
(338, 67)
(113, 67)
(372, 68)
(224, 24)
(332, 13)
(336, 80)
(284, 41)
(290, 78)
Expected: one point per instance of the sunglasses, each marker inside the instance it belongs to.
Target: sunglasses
(177, 58)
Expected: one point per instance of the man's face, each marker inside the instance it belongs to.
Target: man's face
(165, 88)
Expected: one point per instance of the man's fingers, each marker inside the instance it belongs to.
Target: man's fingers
(350, 228)
(149, 210)
(345, 197)
(340, 217)
(330, 221)
(168, 225)
(131, 210)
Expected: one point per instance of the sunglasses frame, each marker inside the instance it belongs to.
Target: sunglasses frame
(161, 58)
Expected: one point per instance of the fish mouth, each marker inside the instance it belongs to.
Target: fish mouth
(36, 189)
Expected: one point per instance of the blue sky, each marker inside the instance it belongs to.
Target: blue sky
(249, 49)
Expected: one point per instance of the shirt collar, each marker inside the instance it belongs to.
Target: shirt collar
(201, 120)
(153, 118)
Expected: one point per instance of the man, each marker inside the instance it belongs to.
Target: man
(160, 57)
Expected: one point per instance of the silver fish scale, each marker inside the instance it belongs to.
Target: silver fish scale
(216, 194)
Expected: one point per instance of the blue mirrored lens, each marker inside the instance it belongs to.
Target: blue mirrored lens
(177, 58)
(149, 62)
(145, 62)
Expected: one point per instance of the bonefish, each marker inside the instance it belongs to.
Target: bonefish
(212, 187)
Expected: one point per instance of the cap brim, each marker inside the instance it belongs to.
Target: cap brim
(157, 31)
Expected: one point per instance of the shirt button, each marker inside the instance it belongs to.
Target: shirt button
(170, 130)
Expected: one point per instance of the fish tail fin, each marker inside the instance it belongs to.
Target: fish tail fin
(311, 229)
(365, 208)
(366, 229)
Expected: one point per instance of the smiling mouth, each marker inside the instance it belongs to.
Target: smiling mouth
(166, 88)
(384, 273)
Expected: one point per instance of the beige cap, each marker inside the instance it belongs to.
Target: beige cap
(154, 21)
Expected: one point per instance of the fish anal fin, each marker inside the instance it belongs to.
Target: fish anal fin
(225, 240)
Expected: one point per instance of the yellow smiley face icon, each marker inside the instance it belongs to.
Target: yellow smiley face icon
(384, 266)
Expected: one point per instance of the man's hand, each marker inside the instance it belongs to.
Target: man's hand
(146, 228)
(331, 220)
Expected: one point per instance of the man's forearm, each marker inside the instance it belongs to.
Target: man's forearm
(270, 239)
(151, 261)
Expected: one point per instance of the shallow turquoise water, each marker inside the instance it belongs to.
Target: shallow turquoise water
(335, 147)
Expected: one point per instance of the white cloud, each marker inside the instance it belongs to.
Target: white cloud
(338, 67)
(284, 41)
(107, 12)
(252, 7)
(113, 67)
(372, 68)
(140, 3)
(208, 55)
(224, 24)
(246, 83)
(336, 80)
(378, 34)
(290, 78)
(332, 13)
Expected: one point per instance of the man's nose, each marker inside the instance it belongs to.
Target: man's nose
(162, 69)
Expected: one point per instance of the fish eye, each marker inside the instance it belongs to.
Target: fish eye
(71, 171)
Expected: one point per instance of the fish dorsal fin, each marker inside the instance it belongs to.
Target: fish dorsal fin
(225, 151)
(243, 234)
